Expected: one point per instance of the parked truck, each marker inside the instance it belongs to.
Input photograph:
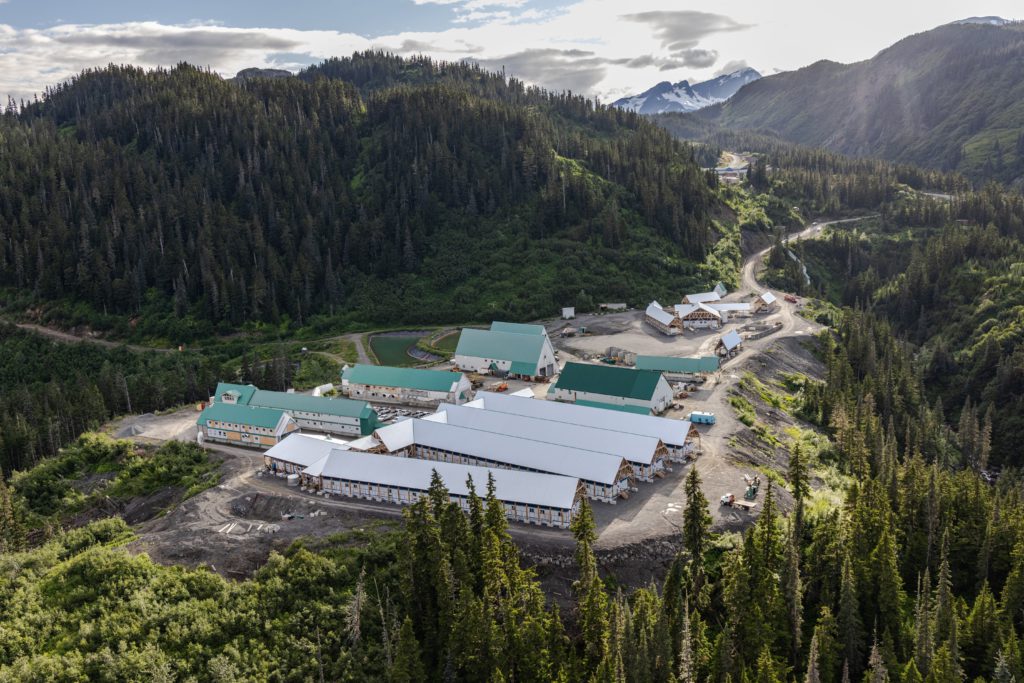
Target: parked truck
(700, 417)
(729, 500)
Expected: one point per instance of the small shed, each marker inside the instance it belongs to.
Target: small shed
(730, 343)
(568, 313)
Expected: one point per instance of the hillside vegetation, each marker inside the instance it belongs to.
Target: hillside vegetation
(373, 189)
(951, 98)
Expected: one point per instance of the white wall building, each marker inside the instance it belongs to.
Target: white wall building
(529, 497)
(507, 348)
(606, 477)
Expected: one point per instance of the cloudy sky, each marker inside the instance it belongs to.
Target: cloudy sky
(604, 48)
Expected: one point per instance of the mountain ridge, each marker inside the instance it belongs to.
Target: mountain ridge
(667, 97)
(951, 98)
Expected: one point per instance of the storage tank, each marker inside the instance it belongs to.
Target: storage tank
(293, 479)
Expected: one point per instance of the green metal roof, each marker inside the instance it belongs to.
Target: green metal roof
(673, 364)
(510, 346)
(639, 410)
(341, 407)
(609, 380)
(244, 391)
(519, 367)
(240, 414)
(409, 378)
(518, 328)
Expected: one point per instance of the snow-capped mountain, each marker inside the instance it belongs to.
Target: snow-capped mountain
(990, 21)
(681, 96)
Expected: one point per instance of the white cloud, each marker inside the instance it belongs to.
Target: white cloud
(596, 47)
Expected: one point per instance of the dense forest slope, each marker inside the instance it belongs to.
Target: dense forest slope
(373, 187)
(951, 98)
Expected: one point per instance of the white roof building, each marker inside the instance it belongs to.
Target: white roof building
(731, 340)
(511, 486)
(643, 452)
(511, 451)
(301, 450)
(731, 307)
(768, 298)
(683, 310)
(703, 297)
(656, 312)
(677, 435)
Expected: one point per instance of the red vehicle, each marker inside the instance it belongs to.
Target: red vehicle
(791, 299)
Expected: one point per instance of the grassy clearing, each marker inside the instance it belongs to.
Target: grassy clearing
(96, 468)
(744, 409)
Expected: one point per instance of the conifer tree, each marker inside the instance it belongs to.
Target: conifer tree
(407, 666)
(591, 599)
(812, 675)
(849, 622)
(798, 481)
(696, 525)
(686, 671)
(794, 594)
(877, 673)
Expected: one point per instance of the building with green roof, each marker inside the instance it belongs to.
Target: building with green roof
(233, 393)
(611, 385)
(526, 354)
(408, 386)
(671, 365)
(320, 413)
(242, 425)
(315, 413)
(519, 328)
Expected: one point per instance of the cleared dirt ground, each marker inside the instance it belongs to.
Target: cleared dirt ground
(234, 526)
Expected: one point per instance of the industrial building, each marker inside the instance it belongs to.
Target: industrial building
(605, 477)
(730, 343)
(647, 454)
(715, 294)
(299, 451)
(408, 386)
(698, 316)
(657, 317)
(530, 497)
(242, 425)
(765, 303)
(729, 310)
(511, 349)
(673, 367)
(679, 436)
(316, 413)
(614, 386)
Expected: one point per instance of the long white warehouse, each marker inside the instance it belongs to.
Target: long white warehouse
(679, 436)
(605, 477)
(647, 454)
(531, 497)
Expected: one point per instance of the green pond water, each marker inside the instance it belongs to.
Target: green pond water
(393, 349)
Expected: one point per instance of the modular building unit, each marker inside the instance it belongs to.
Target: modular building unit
(410, 386)
(672, 366)
(646, 454)
(316, 413)
(299, 451)
(679, 436)
(529, 497)
(606, 477)
(241, 425)
(612, 385)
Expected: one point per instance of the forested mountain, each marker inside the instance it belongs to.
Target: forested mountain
(951, 98)
(378, 189)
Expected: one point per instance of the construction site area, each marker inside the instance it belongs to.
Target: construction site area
(233, 526)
